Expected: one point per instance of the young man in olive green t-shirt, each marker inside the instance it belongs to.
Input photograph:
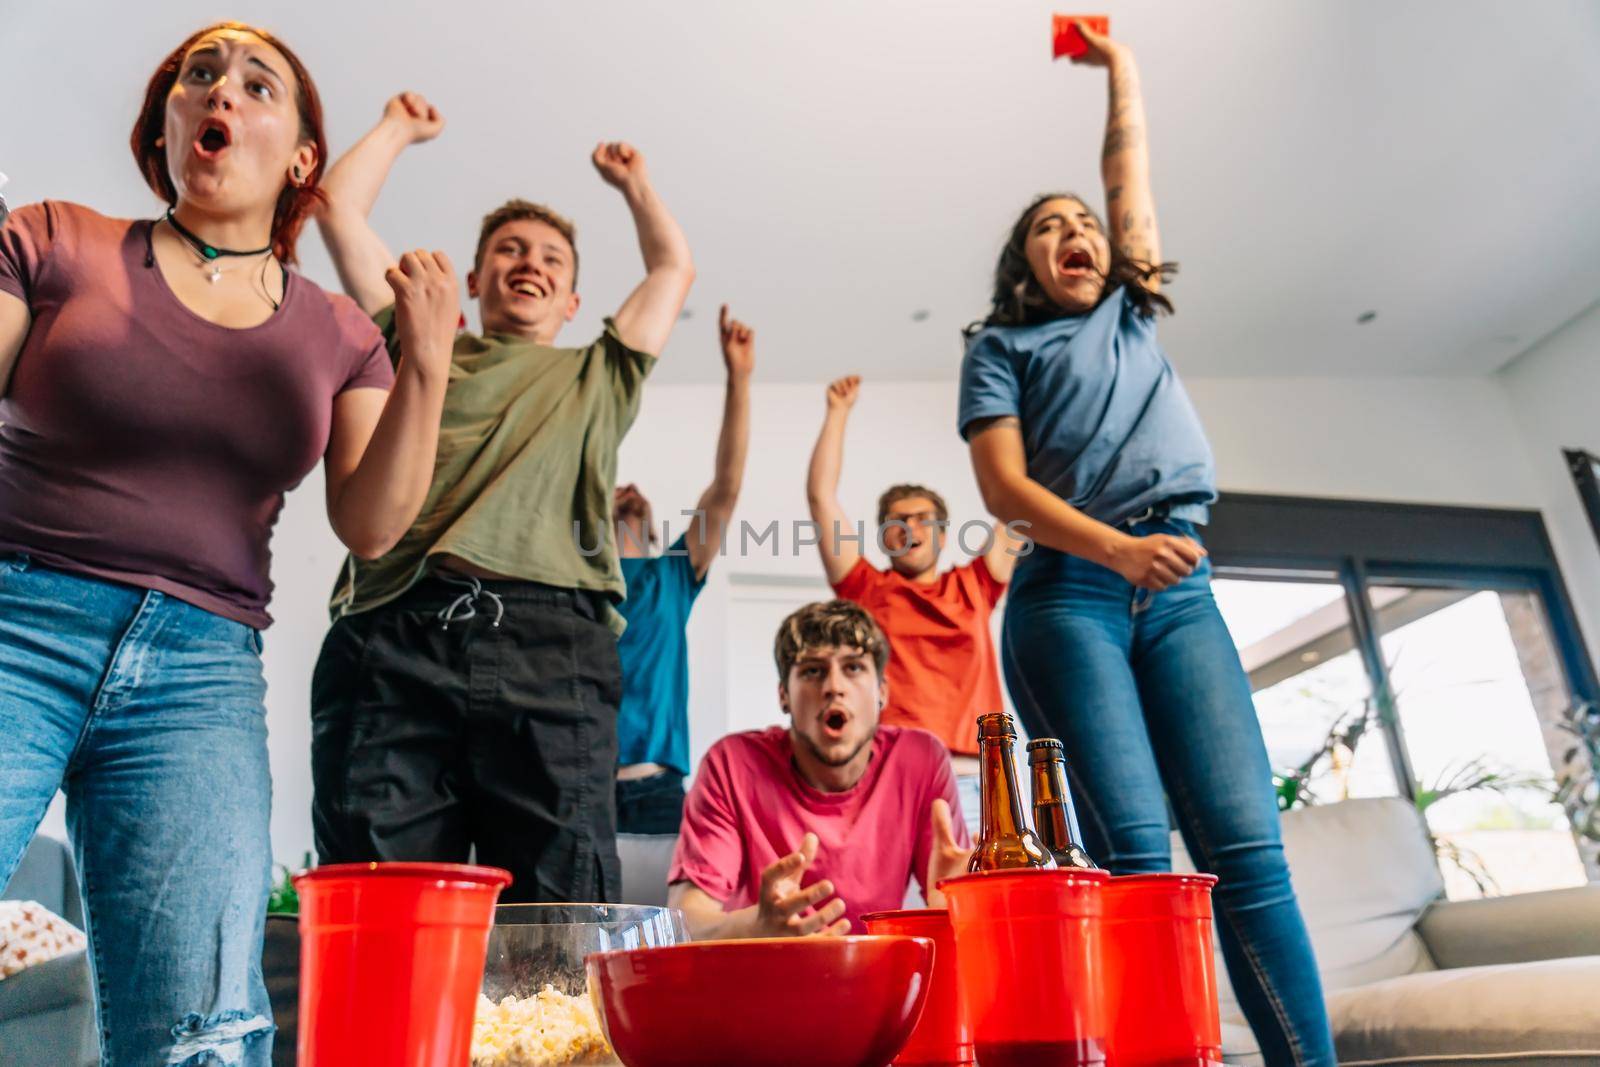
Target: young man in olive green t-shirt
(467, 692)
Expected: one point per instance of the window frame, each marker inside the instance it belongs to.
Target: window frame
(1376, 543)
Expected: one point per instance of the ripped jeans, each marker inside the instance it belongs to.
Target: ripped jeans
(148, 712)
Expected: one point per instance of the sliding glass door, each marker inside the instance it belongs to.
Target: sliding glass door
(1397, 652)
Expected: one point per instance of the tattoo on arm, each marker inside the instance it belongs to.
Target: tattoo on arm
(1112, 194)
(1123, 130)
(1121, 137)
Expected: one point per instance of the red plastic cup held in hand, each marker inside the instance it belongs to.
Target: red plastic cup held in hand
(1066, 39)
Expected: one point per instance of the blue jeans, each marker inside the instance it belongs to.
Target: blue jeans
(1147, 694)
(148, 712)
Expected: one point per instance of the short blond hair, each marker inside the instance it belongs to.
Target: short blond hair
(828, 624)
(515, 210)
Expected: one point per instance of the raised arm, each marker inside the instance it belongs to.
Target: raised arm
(733, 445)
(1125, 157)
(381, 450)
(999, 460)
(822, 483)
(646, 318)
(14, 323)
(352, 187)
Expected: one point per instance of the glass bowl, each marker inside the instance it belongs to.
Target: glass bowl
(536, 1010)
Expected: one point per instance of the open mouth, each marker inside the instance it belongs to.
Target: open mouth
(1078, 263)
(835, 721)
(212, 139)
(528, 288)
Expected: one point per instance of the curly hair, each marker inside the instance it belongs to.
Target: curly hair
(1019, 300)
(828, 624)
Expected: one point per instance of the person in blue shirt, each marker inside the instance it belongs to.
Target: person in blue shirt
(1078, 426)
(653, 723)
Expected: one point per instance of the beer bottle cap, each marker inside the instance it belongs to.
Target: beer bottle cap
(1045, 748)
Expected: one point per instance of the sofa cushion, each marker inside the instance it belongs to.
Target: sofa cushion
(1543, 1014)
(1363, 871)
(46, 875)
(57, 983)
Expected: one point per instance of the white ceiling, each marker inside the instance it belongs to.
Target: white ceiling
(841, 165)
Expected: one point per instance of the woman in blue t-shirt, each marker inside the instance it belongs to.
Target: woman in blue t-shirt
(1078, 425)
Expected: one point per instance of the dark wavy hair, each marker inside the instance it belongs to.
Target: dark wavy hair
(828, 624)
(1019, 300)
(295, 203)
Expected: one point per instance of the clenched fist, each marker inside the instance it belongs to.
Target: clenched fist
(412, 113)
(842, 392)
(427, 308)
(1157, 561)
(619, 163)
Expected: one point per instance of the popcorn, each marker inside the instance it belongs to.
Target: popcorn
(31, 933)
(543, 1030)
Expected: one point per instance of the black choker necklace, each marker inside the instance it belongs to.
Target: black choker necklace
(207, 250)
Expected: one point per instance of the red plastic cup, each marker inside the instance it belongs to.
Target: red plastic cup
(941, 1038)
(391, 960)
(1028, 953)
(1161, 977)
(1066, 40)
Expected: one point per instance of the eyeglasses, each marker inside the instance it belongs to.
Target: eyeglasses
(917, 518)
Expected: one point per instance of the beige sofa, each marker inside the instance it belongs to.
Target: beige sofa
(1412, 980)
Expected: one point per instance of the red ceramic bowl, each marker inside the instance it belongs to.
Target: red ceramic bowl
(817, 1001)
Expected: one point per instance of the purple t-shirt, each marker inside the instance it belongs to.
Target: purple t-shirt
(143, 444)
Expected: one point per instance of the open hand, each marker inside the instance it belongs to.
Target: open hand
(947, 859)
(427, 308)
(779, 911)
(412, 113)
(842, 392)
(738, 345)
(619, 163)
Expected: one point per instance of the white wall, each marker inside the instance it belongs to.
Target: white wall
(1430, 440)
(1554, 393)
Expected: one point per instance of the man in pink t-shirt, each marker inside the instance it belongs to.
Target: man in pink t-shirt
(802, 829)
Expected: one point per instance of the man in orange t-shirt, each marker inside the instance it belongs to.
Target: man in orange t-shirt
(942, 671)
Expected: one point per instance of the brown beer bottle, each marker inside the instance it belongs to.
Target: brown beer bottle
(1004, 839)
(1052, 804)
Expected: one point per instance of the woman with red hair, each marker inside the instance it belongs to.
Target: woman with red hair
(163, 384)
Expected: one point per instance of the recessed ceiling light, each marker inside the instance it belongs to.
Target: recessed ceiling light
(1310, 657)
(1366, 317)
(686, 314)
(920, 315)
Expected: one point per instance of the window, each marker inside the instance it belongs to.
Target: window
(1412, 651)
